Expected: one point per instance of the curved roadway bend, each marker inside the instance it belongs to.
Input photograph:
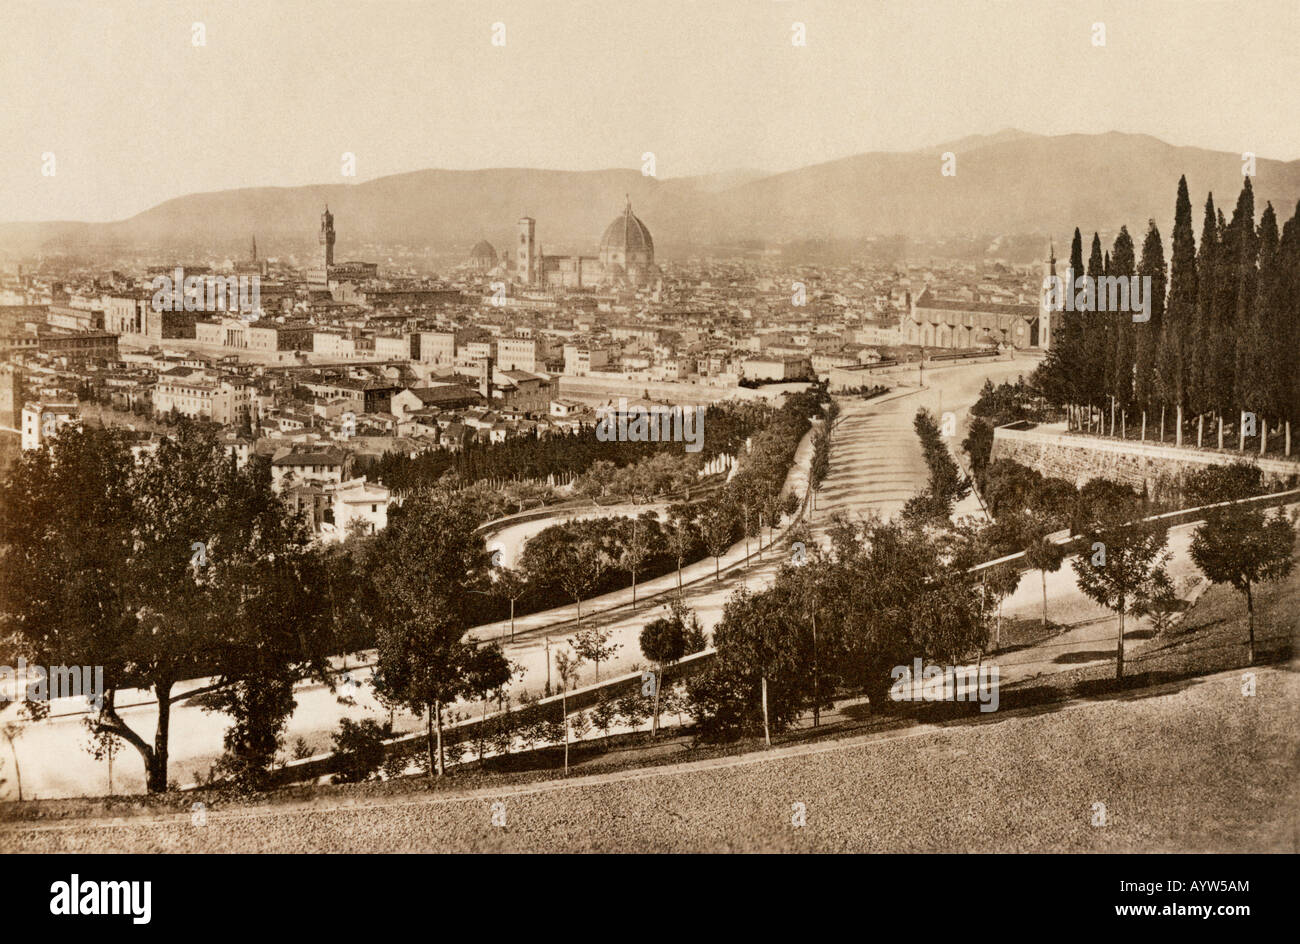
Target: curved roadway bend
(876, 464)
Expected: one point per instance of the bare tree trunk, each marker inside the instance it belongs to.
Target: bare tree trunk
(1044, 573)
(428, 737)
(1162, 423)
(442, 762)
(1119, 644)
(1178, 433)
(1250, 621)
(767, 734)
(564, 710)
(158, 762)
(817, 701)
(1144, 425)
(18, 776)
(659, 681)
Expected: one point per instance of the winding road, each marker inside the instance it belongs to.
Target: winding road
(876, 465)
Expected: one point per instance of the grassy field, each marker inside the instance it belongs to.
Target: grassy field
(1195, 767)
(1181, 758)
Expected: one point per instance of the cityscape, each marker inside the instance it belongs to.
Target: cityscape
(928, 487)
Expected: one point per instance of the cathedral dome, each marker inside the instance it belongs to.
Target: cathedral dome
(627, 234)
(483, 252)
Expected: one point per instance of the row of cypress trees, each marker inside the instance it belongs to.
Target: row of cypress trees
(1222, 341)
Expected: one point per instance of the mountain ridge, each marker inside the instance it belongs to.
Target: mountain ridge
(1009, 182)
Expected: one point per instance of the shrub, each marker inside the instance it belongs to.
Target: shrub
(360, 749)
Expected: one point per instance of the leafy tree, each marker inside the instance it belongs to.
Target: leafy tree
(1044, 555)
(1212, 484)
(1120, 564)
(946, 484)
(632, 708)
(432, 555)
(501, 732)
(1242, 546)
(566, 665)
(120, 584)
(487, 672)
(579, 725)
(978, 444)
(575, 565)
(638, 535)
(359, 747)
(663, 642)
(760, 678)
(682, 537)
(717, 525)
(509, 584)
(593, 645)
(604, 713)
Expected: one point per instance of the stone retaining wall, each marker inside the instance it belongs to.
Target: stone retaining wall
(1076, 457)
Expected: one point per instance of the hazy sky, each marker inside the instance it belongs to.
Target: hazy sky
(136, 114)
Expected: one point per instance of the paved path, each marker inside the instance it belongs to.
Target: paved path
(972, 771)
(876, 464)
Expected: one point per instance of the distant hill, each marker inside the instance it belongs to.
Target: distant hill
(1011, 182)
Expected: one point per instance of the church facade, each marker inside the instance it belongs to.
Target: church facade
(960, 323)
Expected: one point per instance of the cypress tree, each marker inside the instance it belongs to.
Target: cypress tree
(1266, 397)
(1095, 335)
(1200, 362)
(1237, 351)
(1285, 332)
(1077, 323)
(1180, 312)
(1061, 375)
(1147, 334)
(1123, 343)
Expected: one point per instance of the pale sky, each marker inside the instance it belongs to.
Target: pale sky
(136, 114)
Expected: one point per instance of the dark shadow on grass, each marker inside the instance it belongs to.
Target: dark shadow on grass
(1089, 655)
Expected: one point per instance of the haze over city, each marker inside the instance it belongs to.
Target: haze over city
(834, 426)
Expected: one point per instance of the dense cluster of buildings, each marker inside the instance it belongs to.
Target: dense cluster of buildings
(338, 360)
